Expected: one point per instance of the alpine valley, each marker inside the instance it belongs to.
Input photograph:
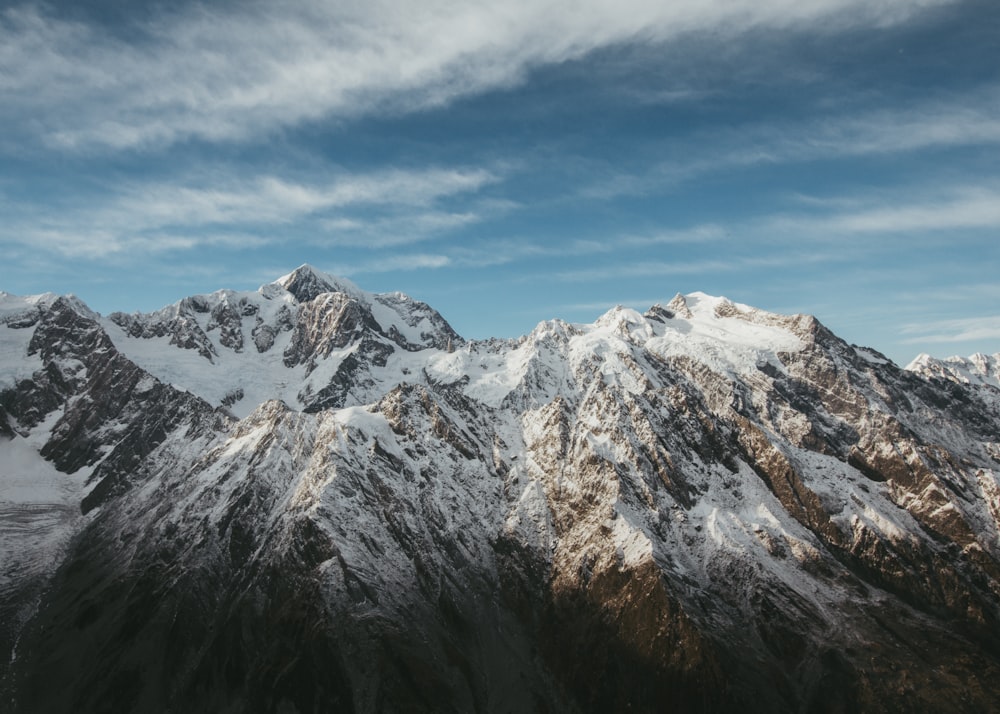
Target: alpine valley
(311, 498)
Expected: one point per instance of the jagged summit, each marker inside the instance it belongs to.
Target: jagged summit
(679, 306)
(306, 283)
(311, 339)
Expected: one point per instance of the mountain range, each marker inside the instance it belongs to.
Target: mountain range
(312, 498)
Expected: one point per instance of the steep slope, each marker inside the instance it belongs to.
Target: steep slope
(705, 507)
(78, 418)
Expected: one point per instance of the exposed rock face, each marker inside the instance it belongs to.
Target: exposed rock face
(704, 508)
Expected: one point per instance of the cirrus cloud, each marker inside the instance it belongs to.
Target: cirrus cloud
(243, 70)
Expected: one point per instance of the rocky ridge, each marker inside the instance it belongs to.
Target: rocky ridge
(312, 498)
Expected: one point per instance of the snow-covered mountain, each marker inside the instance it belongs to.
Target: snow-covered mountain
(309, 339)
(978, 369)
(313, 498)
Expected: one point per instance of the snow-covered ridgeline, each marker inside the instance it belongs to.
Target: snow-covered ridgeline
(730, 338)
(979, 368)
(702, 476)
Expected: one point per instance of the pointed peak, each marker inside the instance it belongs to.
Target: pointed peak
(921, 360)
(77, 305)
(306, 283)
(679, 306)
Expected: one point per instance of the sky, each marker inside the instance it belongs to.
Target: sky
(518, 161)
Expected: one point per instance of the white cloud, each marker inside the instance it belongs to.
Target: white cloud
(971, 293)
(397, 262)
(161, 217)
(702, 233)
(403, 227)
(271, 199)
(966, 120)
(973, 329)
(648, 268)
(972, 119)
(252, 68)
(959, 208)
(93, 243)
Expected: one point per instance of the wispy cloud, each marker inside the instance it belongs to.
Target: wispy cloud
(248, 69)
(697, 234)
(971, 119)
(965, 292)
(974, 329)
(90, 242)
(490, 253)
(161, 217)
(271, 199)
(410, 225)
(647, 268)
(937, 122)
(395, 263)
(917, 211)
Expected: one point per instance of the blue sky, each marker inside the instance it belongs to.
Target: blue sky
(513, 162)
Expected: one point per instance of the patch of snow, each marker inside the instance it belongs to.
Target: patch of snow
(492, 375)
(632, 546)
(15, 362)
(39, 510)
(870, 356)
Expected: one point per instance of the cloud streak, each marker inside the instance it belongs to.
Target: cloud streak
(395, 263)
(163, 217)
(250, 69)
(647, 268)
(974, 329)
(271, 199)
(960, 208)
(972, 119)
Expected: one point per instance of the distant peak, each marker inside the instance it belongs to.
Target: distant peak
(306, 283)
(679, 306)
(921, 360)
(978, 368)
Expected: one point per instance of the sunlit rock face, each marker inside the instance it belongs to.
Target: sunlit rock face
(312, 498)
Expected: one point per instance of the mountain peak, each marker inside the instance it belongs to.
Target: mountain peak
(979, 368)
(306, 282)
(679, 306)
